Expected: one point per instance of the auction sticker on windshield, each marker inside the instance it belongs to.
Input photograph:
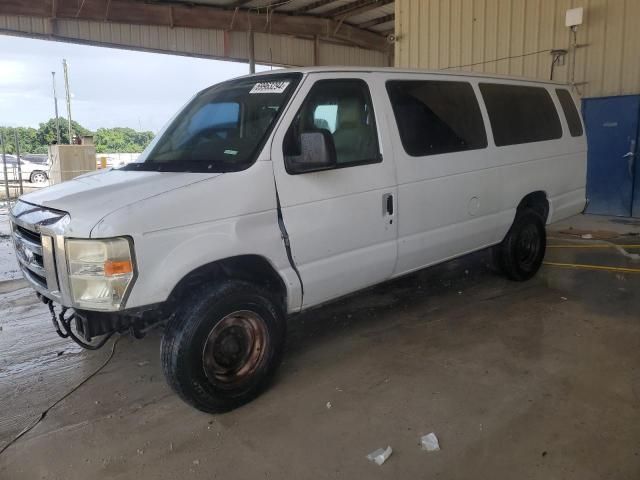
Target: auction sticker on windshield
(269, 87)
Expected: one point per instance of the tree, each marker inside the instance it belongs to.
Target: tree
(121, 140)
(26, 139)
(107, 140)
(47, 131)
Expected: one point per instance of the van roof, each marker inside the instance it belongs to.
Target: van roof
(457, 73)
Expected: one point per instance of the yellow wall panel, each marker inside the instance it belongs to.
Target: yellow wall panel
(491, 38)
(514, 37)
(444, 42)
(455, 33)
(467, 34)
(630, 78)
(503, 36)
(477, 33)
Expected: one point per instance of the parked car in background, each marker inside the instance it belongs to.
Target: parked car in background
(31, 171)
(39, 158)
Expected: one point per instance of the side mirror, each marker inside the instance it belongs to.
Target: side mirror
(317, 152)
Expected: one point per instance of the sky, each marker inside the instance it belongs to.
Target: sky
(110, 87)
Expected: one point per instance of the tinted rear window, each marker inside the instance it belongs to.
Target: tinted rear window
(520, 114)
(570, 112)
(436, 117)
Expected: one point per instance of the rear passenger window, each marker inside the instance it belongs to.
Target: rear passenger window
(570, 112)
(520, 114)
(436, 117)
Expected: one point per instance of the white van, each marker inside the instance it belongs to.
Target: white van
(270, 194)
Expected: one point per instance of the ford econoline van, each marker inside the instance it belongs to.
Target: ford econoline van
(274, 193)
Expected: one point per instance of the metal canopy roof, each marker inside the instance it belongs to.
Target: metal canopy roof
(270, 32)
(373, 15)
(361, 23)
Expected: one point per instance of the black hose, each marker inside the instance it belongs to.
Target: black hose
(66, 324)
(68, 331)
(55, 321)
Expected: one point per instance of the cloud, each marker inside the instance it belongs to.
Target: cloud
(111, 87)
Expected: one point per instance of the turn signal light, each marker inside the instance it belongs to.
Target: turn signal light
(117, 268)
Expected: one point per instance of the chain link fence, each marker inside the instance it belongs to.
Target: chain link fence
(17, 175)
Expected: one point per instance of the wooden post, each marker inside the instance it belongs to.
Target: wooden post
(4, 164)
(18, 157)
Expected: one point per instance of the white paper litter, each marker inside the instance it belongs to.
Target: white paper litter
(430, 442)
(380, 455)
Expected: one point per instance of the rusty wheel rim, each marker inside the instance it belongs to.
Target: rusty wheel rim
(235, 348)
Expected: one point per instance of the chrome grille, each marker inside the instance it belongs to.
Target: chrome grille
(28, 246)
(35, 231)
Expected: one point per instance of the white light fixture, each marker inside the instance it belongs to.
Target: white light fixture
(574, 17)
(572, 20)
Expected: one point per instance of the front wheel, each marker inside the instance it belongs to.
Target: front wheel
(38, 177)
(221, 349)
(521, 252)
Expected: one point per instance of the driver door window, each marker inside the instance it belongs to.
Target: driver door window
(344, 109)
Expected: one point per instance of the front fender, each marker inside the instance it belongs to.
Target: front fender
(166, 257)
(177, 232)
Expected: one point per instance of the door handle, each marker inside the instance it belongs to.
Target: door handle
(387, 204)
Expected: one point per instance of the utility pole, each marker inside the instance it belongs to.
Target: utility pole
(66, 87)
(55, 104)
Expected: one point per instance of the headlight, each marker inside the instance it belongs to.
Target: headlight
(100, 272)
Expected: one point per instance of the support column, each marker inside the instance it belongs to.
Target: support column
(252, 53)
(316, 50)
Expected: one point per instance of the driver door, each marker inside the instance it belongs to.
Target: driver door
(341, 222)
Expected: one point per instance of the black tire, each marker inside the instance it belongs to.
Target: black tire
(223, 345)
(520, 254)
(38, 177)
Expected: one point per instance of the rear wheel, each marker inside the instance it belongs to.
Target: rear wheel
(222, 348)
(521, 252)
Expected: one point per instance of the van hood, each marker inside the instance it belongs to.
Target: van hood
(91, 197)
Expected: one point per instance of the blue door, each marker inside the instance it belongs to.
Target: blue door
(613, 183)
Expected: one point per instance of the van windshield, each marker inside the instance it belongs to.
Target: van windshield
(222, 129)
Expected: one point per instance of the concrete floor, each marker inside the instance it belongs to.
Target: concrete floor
(536, 380)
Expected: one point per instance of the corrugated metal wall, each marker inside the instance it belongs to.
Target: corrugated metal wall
(276, 49)
(475, 34)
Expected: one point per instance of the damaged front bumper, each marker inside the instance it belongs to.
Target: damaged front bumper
(83, 326)
(38, 235)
